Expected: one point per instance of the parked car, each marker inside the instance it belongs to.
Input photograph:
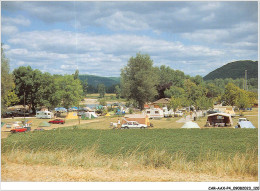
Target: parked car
(178, 114)
(57, 121)
(242, 119)
(17, 130)
(133, 124)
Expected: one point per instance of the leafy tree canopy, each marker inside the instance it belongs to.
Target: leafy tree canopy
(138, 79)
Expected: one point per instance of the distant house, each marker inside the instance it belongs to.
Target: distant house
(158, 109)
(163, 102)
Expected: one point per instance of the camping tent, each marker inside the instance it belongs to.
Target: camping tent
(245, 124)
(190, 124)
(89, 115)
(72, 115)
(219, 119)
(12, 125)
(44, 124)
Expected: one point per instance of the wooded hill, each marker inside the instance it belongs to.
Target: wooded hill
(235, 70)
(95, 80)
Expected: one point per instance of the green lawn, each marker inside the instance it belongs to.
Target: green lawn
(192, 142)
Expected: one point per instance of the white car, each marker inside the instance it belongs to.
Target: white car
(242, 119)
(178, 114)
(133, 124)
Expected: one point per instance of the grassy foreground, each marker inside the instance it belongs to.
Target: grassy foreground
(223, 152)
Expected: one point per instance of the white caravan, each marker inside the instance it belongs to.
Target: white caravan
(154, 113)
(44, 115)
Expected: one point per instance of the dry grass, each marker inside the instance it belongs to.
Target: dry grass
(43, 173)
(242, 167)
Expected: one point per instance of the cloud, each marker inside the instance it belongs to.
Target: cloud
(100, 37)
(8, 30)
(243, 35)
(156, 16)
(97, 51)
(15, 21)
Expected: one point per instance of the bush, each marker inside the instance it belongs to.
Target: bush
(102, 102)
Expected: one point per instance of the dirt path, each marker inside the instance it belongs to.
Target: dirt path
(5, 132)
(42, 173)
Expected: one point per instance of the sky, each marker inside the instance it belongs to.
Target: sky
(99, 38)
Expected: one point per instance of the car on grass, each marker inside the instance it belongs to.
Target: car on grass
(133, 124)
(178, 114)
(19, 130)
(57, 121)
(242, 119)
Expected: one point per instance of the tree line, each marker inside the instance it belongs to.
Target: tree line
(141, 82)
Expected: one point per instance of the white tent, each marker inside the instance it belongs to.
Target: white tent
(245, 124)
(90, 114)
(190, 124)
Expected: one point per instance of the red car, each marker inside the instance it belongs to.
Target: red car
(18, 130)
(57, 121)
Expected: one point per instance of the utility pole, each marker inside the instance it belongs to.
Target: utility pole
(246, 80)
(79, 114)
(24, 105)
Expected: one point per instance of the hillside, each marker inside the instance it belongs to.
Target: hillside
(235, 70)
(95, 80)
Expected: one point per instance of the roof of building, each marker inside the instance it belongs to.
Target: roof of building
(135, 116)
(162, 101)
(222, 114)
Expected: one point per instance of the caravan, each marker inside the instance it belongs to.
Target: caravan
(44, 115)
(154, 113)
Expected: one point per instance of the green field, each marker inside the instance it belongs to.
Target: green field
(192, 142)
(221, 152)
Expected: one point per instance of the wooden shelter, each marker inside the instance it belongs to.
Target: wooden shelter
(219, 120)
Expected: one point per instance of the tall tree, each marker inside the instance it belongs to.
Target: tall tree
(117, 91)
(231, 94)
(212, 90)
(24, 85)
(76, 75)
(32, 86)
(84, 84)
(68, 91)
(175, 91)
(101, 90)
(175, 103)
(197, 79)
(168, 78)
(139, 79)
(243, 99)
(8, 96)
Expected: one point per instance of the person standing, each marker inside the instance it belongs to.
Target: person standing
(118, 123)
